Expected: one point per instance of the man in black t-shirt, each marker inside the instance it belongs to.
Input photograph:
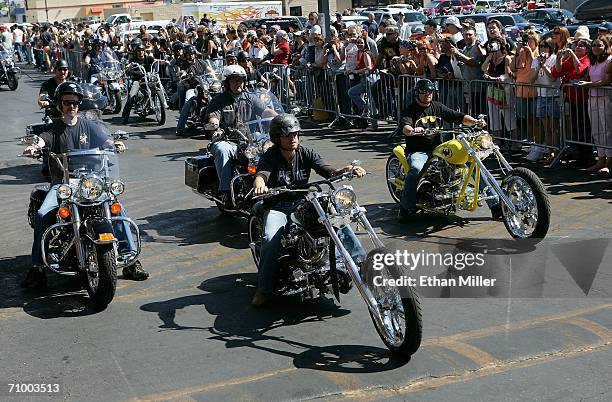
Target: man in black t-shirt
(135, 75)
(418, 146)
(286, 163)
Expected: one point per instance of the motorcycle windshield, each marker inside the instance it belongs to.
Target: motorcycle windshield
(216, 65)
(110, 70)
(257, 124)
(4, 55)
(101, 163)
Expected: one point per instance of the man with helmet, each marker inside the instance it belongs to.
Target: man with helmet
(70, 132)
(138, 57)
(47, 90)
(229, 111)
(285, 163)
(253, 76)
(191, 65)
(419, 146)
(99, 54)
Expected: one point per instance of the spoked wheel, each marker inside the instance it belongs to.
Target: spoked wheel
(394, 172)
(400, 326)
(101, 275)
(13, 82)
(255, 236)
(159, 108)
(528, 195)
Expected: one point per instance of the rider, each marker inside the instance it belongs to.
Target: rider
(99, 54)
(135, 75)
(285, 163)
(420, 146)
(223, 113)
(254, 77)
(68, 133)
(47, 90)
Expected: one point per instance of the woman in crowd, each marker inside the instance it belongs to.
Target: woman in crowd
(496, 68)
(547, 103)
(425, 60)
(561, 37)
(522, 66)
(364, 66)
(600, 101)
(571, 66)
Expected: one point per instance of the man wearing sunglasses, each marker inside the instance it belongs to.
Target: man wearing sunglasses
(70, 132)
(419, 146)
(47, 90)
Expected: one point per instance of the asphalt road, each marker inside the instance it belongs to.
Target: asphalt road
(189, 332)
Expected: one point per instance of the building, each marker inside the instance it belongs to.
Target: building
(57, 10)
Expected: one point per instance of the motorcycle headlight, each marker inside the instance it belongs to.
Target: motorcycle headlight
(485, 141)
(344, 198)
(117, 188)
(64, 192)
(251, 151)
(90, 188)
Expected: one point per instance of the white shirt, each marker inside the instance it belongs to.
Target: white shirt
(17, 36)
(544, 79)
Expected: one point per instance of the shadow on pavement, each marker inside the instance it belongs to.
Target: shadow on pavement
(239, 325)
(23, 174)
(63, 296)
(195, 226)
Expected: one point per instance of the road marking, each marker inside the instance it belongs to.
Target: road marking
(490, 365)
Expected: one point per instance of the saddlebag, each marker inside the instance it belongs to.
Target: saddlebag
(37, 196)
(200, 173)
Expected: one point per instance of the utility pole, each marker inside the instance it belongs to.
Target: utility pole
(46, 10)
(324, 10)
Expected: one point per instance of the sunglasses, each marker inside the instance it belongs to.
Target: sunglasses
(71, 102)
(62, 69)
(425, 91)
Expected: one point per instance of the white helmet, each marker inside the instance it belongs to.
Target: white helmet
(233, 71)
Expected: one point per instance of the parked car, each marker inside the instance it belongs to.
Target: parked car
(513, 23)
(550, 17)
(594, 10)
(350, 20)
(487, 6)
(282, 21)
(592, 25)
(445, 7)
(413, 18)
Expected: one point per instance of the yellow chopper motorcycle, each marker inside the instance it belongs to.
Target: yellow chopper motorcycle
(455, 178)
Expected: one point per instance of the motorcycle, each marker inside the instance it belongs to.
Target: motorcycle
(253, 140)
(205, 87)
(110, 79)
(150, 98)
(451, 180)
(320, 253)
(9, 74)
(82, 242)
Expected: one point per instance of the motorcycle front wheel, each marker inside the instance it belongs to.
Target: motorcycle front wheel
(399, 309)
(101, 275)
(13, 82)
(117, 102)
(394, 170)
(159, 108)
(528, 195)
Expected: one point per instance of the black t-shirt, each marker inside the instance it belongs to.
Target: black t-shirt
(388, 50)
(233, 111)
(278, 172)
(85, 134)
(421, 143)
(49, 87)
(147, 63)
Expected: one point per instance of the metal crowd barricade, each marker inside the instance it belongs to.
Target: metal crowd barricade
(75, 61)
(586, 120)
(277, 76)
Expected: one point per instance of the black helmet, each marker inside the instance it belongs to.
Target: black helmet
(190, 49)
(136, 43)
(231, 53)
(87, 42)
(97, 42)
(424, 86)
(61, 63)
(67, 88)
(283, 125)
(242, 56)
(177, 46)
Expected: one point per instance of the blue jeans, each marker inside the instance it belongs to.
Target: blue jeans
(356, 94)
(182, 120)
(181, 92)
(274, 221)
(45, 217)
(416, 161)
(224, 152)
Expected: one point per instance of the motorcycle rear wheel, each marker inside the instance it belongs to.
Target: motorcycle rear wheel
(255, 236)
(101, 284)
(159, 108)
(526, 191)
(400, 310)
(13, 82)
(393, 170)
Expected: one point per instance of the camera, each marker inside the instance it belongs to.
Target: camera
(492, 47)
(328, 46)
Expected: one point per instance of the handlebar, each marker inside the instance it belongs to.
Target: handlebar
(307, 188)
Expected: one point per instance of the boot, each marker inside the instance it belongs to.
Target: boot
(35, 279)
(135, 272)
(261, 298)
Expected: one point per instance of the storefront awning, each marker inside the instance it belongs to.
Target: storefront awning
(96, 10)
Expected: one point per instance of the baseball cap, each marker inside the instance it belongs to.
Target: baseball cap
(453, 21)
(281, 34)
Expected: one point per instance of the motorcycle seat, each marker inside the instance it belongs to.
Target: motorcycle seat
(258, 208)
